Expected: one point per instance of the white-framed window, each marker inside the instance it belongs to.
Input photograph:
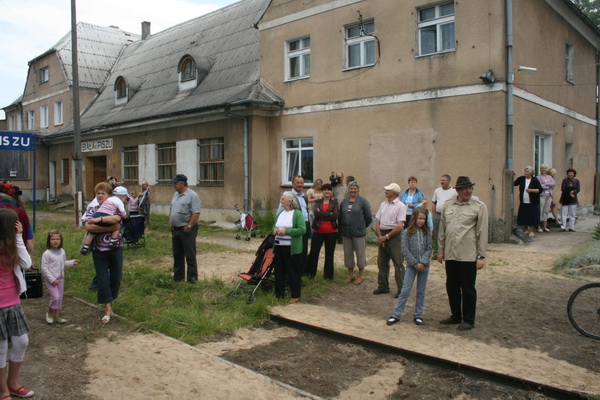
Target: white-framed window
(43, 75)
(121, 91)
(298, 58)
(12, 122)
(436, 29)
(298, 159)
(166, 156)
(569, 59)
(31, 120)
(211, 162)
(44, 116)
(131, 164)
(542, 150)
(360, 45)
(58, 113)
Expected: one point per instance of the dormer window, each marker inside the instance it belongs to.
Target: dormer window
(188, 73)
(120, 91)
(187, 69)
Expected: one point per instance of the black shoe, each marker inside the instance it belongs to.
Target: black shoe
(418, 321)
(451, 321)
(380, 291)
(392, 320)
(397, 295)
(85, 249)
(465, 326)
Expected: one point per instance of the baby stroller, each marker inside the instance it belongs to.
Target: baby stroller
(246, 223)
(259, 274)
(133, 231)
(133, 227)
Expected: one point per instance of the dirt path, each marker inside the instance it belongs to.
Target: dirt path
(521, 310)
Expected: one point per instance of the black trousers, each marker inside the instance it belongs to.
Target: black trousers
(184, 250)
(460, 286)
(286, 265)
(330, 240)
(302, 257)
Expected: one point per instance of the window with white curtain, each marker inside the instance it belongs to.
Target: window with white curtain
(298, 159)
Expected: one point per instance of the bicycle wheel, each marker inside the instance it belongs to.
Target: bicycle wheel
(583, 310)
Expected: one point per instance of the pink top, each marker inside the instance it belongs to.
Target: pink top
(133, 204)
(391, 213)
(112, 206)
(9, 292)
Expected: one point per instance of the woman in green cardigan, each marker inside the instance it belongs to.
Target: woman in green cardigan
(288, 230)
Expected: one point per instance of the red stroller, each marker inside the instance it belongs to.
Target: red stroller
(246, 223)
(259, 274)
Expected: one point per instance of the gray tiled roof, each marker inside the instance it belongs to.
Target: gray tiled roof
(225, 40)
(98, 48)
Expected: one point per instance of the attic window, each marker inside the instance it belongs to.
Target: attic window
(187, 69)
(121, 91)
(121, 88)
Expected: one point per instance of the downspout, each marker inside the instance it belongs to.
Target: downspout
(246, 178)
(508, 190)
(509, 86)
(597, 180)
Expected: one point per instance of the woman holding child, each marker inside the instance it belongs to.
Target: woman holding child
(108, 259)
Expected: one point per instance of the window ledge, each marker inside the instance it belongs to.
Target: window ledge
(298, 78)
(357, 67)
(436, 54)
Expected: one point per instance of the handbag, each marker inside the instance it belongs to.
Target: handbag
(35, 284)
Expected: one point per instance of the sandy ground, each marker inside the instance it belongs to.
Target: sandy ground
(521, 329)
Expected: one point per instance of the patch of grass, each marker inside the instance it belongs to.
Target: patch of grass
(584, 261)
(152, 299)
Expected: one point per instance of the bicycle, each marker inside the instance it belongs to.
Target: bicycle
(583, 310)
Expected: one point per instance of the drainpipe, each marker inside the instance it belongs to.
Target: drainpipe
(509, 86)
(597, 180)
(508, 174)
(246, 179)
(245, 119)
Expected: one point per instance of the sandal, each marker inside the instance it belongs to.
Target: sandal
(350, 279)
(106, 319)
(85, 249)
(6, 398)
(21, 392)
(392, 320)
(358, 280)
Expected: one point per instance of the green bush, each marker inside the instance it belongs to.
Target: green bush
(584, 261)
(596, 233)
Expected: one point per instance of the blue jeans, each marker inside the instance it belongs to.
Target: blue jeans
(109, 272)
(409, 278)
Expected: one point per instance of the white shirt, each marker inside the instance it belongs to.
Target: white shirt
(440, 196)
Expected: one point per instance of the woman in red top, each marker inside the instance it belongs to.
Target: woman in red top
(324, 226)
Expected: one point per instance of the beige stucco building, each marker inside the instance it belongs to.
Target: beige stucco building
(243, 99)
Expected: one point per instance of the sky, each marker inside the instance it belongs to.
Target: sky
(30, 27)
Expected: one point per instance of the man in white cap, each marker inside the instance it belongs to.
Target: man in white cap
(390, 220)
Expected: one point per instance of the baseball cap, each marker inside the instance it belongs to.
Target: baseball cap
(394, 187)
(179, 178)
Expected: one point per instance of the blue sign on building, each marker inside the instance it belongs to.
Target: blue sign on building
(17, 141)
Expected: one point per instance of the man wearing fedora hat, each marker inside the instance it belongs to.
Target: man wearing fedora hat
(389, 223)
(183, 218)
(462, 243)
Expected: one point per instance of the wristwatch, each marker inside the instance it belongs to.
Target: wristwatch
(189, 226)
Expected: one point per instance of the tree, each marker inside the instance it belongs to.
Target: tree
(591, 8)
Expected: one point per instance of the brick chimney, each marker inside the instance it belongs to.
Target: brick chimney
(145, 30)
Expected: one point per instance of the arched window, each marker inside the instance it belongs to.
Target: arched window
(187, 69)
(121, 88)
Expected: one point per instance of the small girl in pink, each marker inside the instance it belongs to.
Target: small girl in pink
(54, 261)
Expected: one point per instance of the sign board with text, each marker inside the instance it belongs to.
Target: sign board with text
(17, 141)
(96, 145)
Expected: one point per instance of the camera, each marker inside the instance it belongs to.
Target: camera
(334, 180)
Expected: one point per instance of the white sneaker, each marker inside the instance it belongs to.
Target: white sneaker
(49, 319)
(60, 320)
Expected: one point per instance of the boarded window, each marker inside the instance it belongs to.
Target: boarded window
(14, 164)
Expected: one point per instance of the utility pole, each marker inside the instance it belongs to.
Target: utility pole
(77, 167)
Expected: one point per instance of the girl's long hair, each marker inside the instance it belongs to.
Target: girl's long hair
(54, 232)
(412, 225)
(8, 243)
